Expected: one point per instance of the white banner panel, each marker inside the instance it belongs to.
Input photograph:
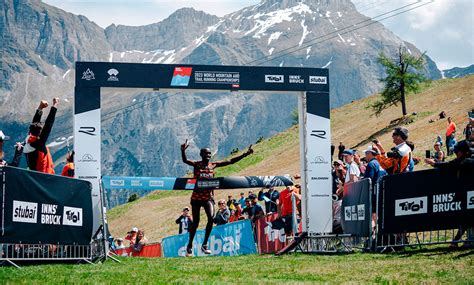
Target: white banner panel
(87, 156)
(318, 174)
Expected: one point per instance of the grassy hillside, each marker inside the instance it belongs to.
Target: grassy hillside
(352, 124)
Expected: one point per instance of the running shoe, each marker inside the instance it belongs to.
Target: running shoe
(189, 252)
(205, 250)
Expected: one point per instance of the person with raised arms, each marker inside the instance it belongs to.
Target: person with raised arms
(204, 169)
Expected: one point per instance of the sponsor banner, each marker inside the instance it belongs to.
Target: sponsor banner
(148, 250)
(142, 183)
(87, 156)
(318, 158)
(274, 79)
(44, 208)
(432, 199)
(226, 240)
(181, 76)
(212, 77)
(356, 215)
(318, 80)
(470, 200)
(172, 183)
(271, 236)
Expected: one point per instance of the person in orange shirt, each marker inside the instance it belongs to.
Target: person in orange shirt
(396, 160)
(285, 206)
(68, 169)
(450, 132)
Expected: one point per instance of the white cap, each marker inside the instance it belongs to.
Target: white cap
(134, 229)
(3, 137)
(370, 149)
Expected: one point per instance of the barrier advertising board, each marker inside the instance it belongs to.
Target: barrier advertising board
(226, 240)
(45, 208)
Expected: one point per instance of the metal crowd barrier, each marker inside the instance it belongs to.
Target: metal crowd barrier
(12, 253)
(394, 242)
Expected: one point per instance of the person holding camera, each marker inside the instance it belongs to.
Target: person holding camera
(185, 221)
(398, 158)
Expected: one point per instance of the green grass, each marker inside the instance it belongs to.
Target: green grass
(431, 266)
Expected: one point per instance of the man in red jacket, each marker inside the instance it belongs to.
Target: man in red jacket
(37, 154)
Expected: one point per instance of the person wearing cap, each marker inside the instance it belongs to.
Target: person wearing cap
(132, 235)
(247, 210)
(373, 171)
(119, 243)
(271, 198)
(38, 155)
(140, 242)
(398, 159)
(204, 169)
(237, 215)
(257, 210)
(352, 169)
(185, 221)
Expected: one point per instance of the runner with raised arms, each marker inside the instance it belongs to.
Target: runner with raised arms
(204, 169)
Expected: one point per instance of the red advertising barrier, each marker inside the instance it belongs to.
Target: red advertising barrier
(269, 240)
(149, 250)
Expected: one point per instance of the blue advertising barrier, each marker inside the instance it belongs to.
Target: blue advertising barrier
(141, 183)
(226, 240)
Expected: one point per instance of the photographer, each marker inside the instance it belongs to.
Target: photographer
(185, 221)
(398, 158)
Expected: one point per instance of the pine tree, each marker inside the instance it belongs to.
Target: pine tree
(401, 79)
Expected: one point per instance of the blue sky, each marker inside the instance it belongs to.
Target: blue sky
(443, 28)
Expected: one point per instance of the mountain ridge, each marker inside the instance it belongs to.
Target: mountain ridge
(41, 67)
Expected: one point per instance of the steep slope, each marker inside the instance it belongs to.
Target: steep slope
(351, 124)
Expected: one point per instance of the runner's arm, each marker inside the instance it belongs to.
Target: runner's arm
(183, 155)
(234, 159)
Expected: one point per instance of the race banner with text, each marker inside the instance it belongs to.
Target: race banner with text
(226, 240)
(432, 199)
(271, 236)
(355, 209)
(44, 208)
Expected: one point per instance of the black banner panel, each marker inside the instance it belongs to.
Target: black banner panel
(426, 200)
(355, 210)
(43, 208)
(210, 77)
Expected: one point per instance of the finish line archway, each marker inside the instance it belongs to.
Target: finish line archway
(311, 85)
